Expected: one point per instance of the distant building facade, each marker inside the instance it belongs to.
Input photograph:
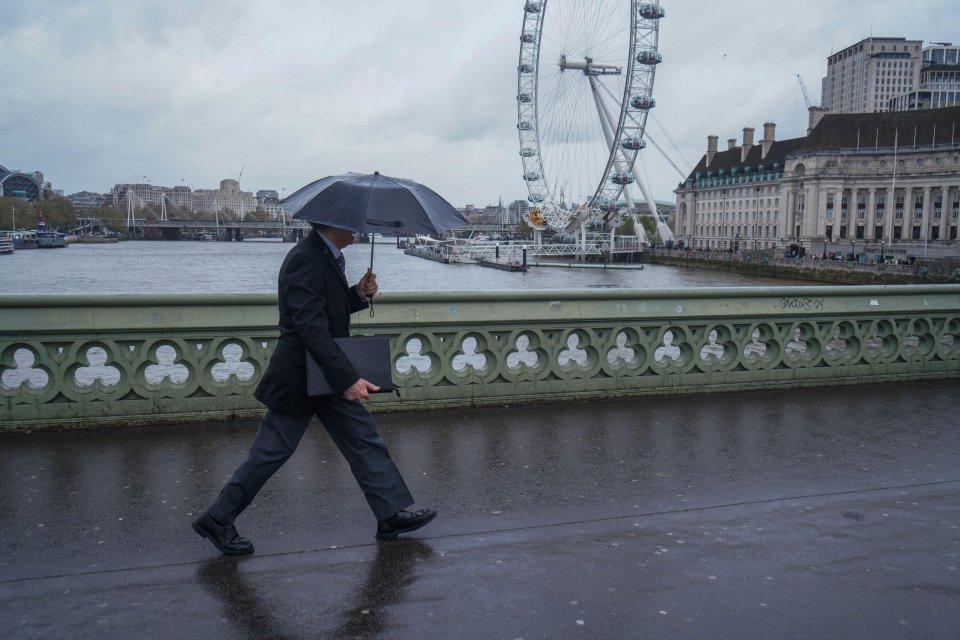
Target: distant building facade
(864, 77)
(268, 201)
(517, 211)
(19, 184)
(939, 81)
(202, 201)
(86, 199)
(228, 197)
(871, 184)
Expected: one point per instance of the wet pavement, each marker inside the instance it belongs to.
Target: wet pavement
(818, 513)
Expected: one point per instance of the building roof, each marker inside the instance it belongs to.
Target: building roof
(730, 158)
(844, 131)
(873, 130)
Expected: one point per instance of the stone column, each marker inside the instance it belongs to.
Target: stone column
(906, 223)
(947, 220)
(852, 212)
(925, 216)
(946, 211)
(888, 213)
(790, 216)
(871, 219)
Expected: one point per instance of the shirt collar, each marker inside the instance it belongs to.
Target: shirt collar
(333, 248)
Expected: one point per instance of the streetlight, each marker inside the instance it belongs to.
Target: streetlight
(882, 259)
(853, 250)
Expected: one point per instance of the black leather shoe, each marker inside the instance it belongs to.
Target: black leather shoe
(404, 522)
(223, 537)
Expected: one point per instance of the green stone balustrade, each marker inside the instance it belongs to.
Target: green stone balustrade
(150, 359)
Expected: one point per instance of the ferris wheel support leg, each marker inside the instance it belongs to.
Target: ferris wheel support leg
(662, 229)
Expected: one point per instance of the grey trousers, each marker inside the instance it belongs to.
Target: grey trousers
(352, 429)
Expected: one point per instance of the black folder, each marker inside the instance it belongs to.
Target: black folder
(369, 355)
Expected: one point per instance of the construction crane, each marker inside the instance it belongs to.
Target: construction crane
(806, 95)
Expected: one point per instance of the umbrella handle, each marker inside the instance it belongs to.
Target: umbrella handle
(370, 298)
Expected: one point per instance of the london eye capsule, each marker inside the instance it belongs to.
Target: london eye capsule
(528, 38)
(643, 102)
(649, 57)
(525, 126)
(535, 197)
(524, 97)
(633, 144)
(533, 176)
(526, 68)
(527, 152)
(532, 7)
(621, 178)
(652, 11)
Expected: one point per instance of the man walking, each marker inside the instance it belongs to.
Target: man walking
(315, 307)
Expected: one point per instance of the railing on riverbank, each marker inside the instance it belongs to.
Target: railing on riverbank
(150, 359)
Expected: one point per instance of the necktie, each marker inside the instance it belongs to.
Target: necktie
(342, 264)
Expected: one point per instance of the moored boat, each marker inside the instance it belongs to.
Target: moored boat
(51, 240)
(6, 243)
(23, 239)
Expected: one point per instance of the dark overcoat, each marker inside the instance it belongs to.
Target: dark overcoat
(315, 306)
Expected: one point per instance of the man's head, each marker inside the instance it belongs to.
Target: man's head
(340, 237)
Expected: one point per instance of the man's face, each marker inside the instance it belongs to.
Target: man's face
(340, 237)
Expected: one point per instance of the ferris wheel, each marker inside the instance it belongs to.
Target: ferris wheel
(584, 91)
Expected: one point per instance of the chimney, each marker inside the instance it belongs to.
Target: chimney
(747, 143)
(769, 136)
(816, 115)
(731, 143)
(711, 148)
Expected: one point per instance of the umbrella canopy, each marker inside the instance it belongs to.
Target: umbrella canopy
(373, 204)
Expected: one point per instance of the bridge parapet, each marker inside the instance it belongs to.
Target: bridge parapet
(152, 359)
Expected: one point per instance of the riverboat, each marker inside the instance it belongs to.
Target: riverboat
(6, 244)
(23, 239)
(51, 240)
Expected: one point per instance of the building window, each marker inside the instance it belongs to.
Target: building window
(877, 233)
(881, 205)
(918, 207)
(916, 233)
(898, 207)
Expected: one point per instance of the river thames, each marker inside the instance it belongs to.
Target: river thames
(251, 267)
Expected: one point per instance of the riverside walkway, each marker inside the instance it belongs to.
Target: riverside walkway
(811, 513)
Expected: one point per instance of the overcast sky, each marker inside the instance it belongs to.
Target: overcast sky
(98, 92)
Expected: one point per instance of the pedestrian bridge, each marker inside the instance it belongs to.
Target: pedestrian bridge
(151, 359)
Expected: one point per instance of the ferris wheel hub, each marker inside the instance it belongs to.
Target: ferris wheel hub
(589, 67)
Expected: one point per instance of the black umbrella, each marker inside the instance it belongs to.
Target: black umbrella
(373, 204)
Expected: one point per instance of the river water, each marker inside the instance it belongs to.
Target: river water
(251, 267)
